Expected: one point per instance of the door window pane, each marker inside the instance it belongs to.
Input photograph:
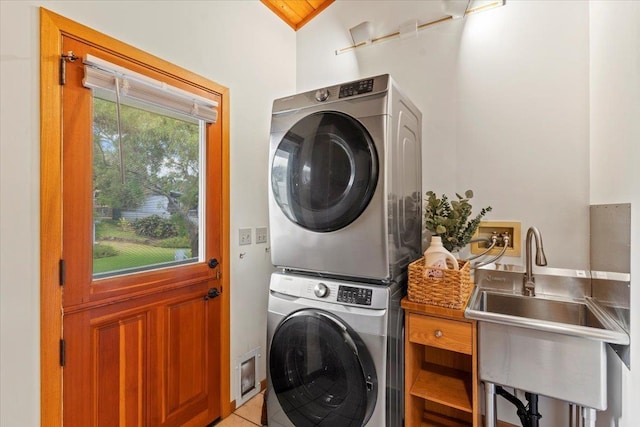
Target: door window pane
(146, 188)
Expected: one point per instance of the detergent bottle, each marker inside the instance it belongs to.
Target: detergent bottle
(437, 255)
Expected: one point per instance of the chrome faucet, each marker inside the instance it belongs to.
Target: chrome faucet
(528, 281)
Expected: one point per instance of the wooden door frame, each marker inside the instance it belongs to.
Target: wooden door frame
(52, 27)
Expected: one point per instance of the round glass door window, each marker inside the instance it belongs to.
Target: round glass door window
(321, 372)
(324, 171)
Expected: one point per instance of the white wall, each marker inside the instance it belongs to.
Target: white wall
(424, 68)
(505, 97)
(523, 120)
(509, 87)
(241, 45)
(615, 157)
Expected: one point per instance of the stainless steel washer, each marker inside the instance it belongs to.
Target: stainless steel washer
(345, 180)
(335, 355)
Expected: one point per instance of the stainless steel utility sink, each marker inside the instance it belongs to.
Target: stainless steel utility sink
(552, 344)
(580, 318)
(572, 313)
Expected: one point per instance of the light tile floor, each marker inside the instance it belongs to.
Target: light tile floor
(248, 415)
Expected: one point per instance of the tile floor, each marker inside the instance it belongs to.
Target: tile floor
(248, 415)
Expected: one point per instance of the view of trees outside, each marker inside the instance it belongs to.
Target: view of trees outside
(146, 189)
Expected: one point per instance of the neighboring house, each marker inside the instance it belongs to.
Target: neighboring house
(153, 205)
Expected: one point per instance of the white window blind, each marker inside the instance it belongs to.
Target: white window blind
(102, 75)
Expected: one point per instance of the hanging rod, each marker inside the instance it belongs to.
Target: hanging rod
(421, 26)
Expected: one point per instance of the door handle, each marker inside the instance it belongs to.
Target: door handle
(211, 294)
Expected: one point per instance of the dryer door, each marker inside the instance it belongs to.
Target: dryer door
(321, 372)
(324, 171)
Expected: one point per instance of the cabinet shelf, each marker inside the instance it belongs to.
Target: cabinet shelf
(432, 419)
(443, 385)
(441, 379)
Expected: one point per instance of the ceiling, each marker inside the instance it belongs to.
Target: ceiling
(296, 13)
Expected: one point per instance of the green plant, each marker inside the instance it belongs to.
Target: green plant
(124, 223)
(450, 219)
(101, 250)
(173, 242)
(156, 227)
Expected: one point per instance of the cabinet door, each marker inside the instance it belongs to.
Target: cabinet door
(441, 376)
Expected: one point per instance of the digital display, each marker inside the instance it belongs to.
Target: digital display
(353, 295)
(356, 88)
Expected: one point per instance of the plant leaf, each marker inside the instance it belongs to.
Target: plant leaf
(451, 219)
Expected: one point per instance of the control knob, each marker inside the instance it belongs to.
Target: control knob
(321, 290)
(322, 95)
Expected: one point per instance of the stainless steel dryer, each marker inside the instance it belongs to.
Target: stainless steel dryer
(334, 353)
(345, 180)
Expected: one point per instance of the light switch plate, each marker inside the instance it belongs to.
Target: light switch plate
(245, 236)
(261, 234)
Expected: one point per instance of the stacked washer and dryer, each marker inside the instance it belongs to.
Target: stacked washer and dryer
(345, 217)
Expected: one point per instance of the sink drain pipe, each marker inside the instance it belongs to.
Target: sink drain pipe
(529, 416)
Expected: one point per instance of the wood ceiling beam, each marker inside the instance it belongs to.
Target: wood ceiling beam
(297, 13)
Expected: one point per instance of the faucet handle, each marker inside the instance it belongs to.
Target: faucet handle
(529, 286)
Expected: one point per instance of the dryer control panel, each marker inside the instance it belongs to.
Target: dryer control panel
(353, 295)
(356, 88)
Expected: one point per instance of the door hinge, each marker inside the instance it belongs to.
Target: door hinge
(63, 352)
(69, 56)
(63, 272)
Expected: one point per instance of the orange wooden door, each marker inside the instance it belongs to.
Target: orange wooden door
(140, 348)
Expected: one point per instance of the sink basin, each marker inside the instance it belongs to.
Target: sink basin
(573, 313)
(552, 345)
(581, 318)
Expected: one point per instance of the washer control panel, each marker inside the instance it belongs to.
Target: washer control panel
(331, 291)
(356, 88)
(353, 295)
(321, 290)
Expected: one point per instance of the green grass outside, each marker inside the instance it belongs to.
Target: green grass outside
(133, 250)
(110, 228)
(131, 255)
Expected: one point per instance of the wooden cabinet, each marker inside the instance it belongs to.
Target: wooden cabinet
(441, 379)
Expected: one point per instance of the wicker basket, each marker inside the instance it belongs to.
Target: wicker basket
(447, 288)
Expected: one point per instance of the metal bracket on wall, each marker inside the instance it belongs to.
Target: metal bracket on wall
(70, 57)
(399, 33)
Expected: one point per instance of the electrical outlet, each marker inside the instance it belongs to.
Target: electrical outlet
(245, 236)
(487, 229)
(261, 234)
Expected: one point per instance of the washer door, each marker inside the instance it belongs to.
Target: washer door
(321, 372)
(324, 171)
